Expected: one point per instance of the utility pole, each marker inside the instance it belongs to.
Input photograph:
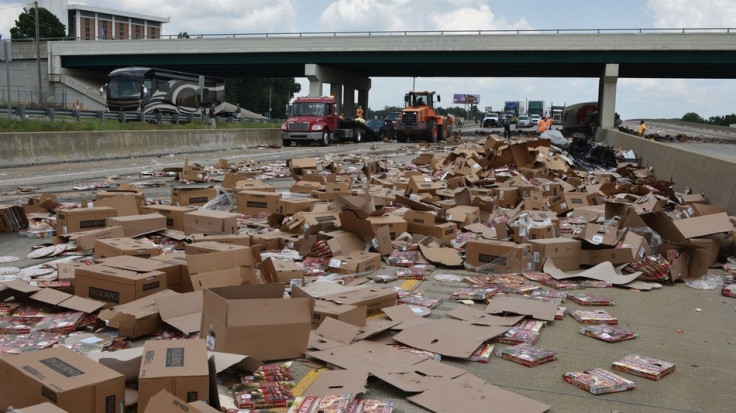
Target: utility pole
(38, 56)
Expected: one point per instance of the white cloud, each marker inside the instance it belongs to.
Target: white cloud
(700, 14)
(473, 18)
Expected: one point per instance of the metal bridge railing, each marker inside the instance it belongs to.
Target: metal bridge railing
(688, 30)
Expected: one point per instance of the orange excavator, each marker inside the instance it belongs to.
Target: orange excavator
(419, 119)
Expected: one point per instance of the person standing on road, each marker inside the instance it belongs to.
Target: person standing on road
(507, 127)
(642, 128)
(359, 112)
(211, 116)
(543, 125)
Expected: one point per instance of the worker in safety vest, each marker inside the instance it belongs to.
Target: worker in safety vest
(543, 125)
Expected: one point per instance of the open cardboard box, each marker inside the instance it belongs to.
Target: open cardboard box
(256, 320)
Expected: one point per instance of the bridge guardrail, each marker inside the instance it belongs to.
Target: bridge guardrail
(52, 113)
(682, 30)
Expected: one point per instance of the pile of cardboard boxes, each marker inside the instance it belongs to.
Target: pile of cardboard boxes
(494, 207)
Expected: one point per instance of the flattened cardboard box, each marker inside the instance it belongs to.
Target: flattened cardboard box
(373, 298)
(112, 247)
(82, 219)
(136, 318)
(69, 380)
(210, 222)
(136, 225)
(256, 320)
(116, 286)
(177, 366)
(174, 214)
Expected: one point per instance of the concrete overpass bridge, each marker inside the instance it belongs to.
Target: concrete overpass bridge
(348, 60)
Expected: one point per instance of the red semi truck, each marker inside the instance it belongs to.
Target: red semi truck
(315, 119)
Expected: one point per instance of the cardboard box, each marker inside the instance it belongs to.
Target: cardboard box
(192, 195)
(605, 233)
(82, 219)
(426, 223)
(138, 264)
(177, 366)
(373, 298)
(463, 215)
(507, 255)
(565, 253)
(193, 173)
(165, 402)
(290, 206)
(69, 380)
(126, 203)
(214, 264)
(136, 225)
(86, 239)
(176, 262)
(40, 408)
(287, 272)
(351, 314)
(136, 318)
(256, 320)
(257, 202)
(111, 247)
(396, 224)
(115, 285)
(12, 218)
(355, 262)
(210, 222)
(578, 199)
(174, 214)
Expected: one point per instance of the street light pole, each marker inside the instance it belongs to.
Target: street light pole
(38, 56)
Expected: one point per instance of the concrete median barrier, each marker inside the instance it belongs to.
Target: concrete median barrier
(23, 149)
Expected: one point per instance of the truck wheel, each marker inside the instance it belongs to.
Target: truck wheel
(286, 142)
(358, 136)
(441, 135)
(400, 137)
(325, 138)
(431, 131)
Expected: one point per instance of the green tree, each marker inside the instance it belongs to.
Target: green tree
(260, 94)
(49, 26)
(693, 118)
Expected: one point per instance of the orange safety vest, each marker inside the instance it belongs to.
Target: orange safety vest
(543, 125)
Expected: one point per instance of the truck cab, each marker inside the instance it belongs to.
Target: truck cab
(310, 119)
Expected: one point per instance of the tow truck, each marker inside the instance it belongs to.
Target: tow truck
(314, 119)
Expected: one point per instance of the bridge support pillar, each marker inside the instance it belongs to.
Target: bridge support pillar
(318, 75)
(607, 96)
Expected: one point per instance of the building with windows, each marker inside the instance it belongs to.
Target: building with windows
(94, 23)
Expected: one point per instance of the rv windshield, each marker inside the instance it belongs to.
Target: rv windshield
(307, 109)
(124, 88)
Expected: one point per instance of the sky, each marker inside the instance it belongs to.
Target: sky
(636, 98)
